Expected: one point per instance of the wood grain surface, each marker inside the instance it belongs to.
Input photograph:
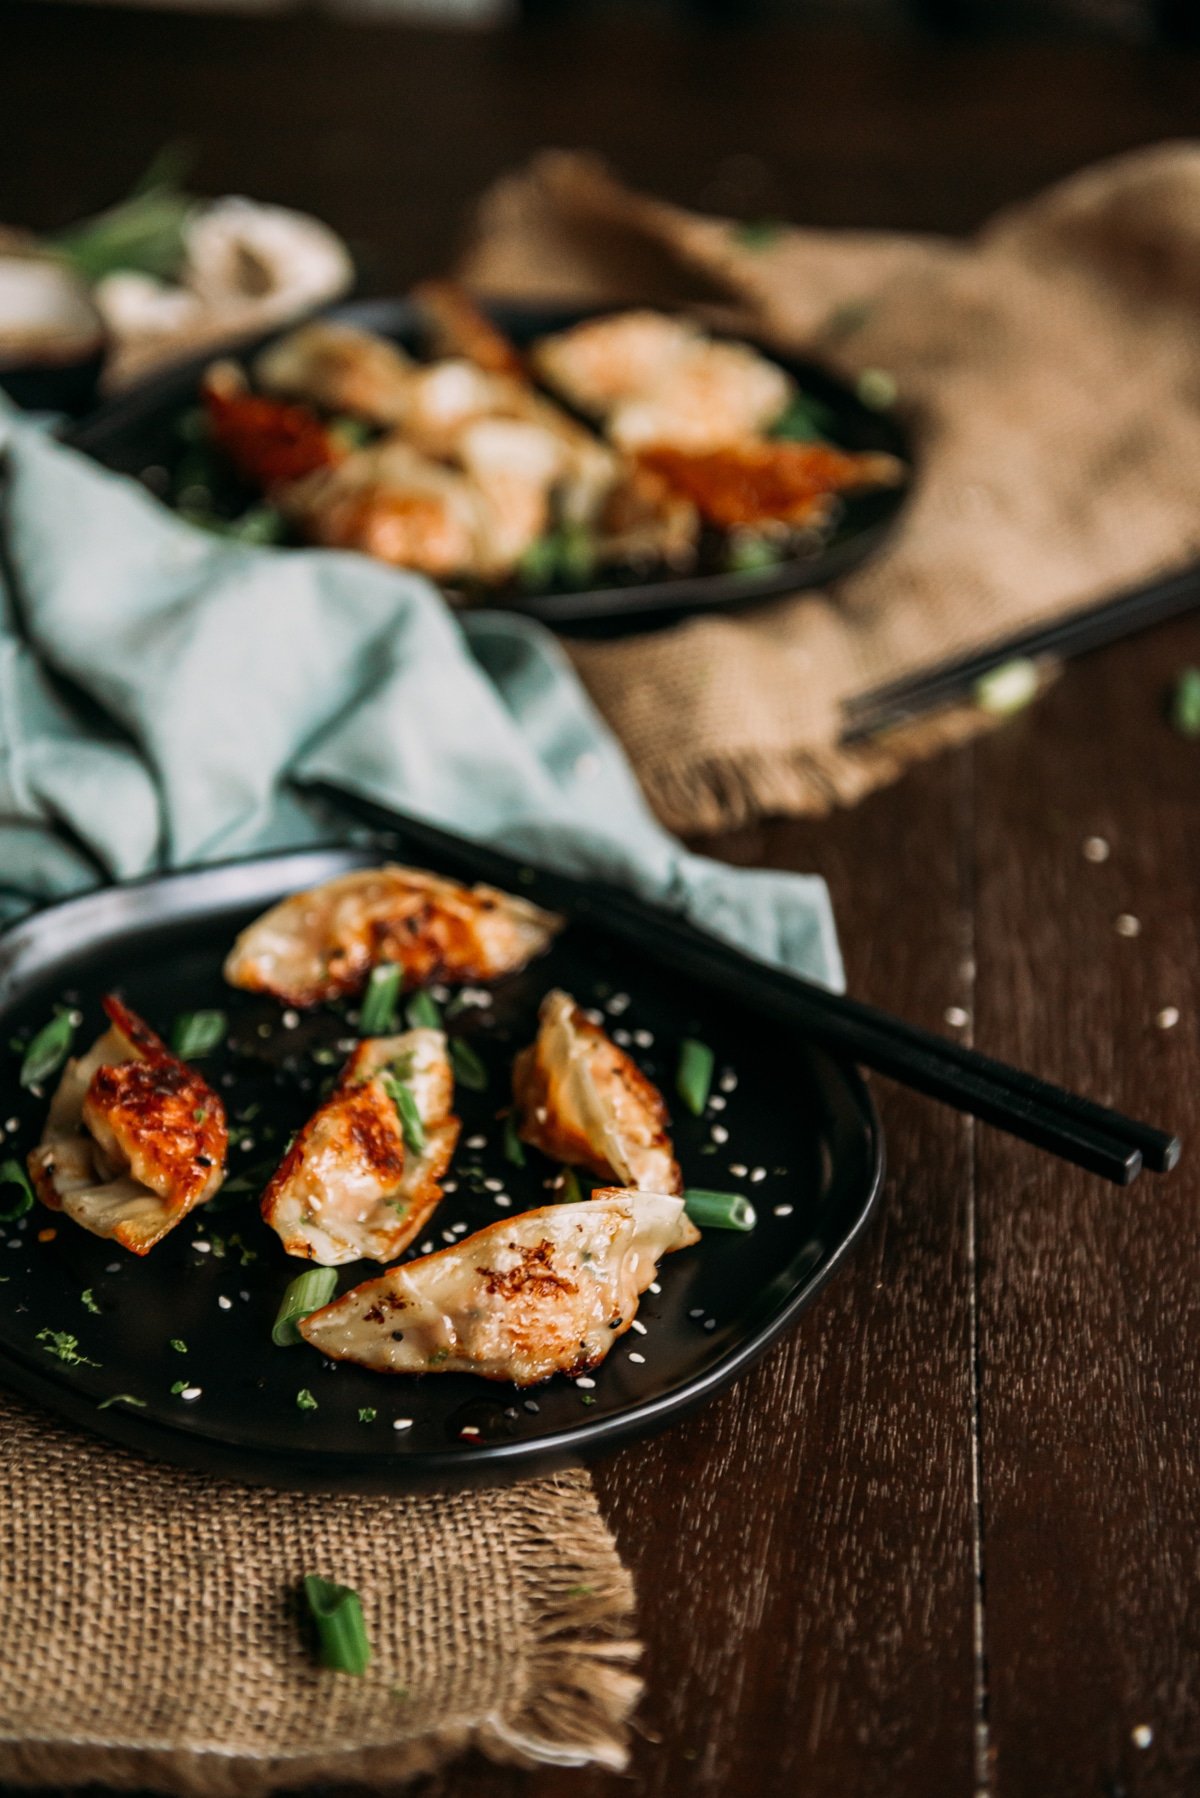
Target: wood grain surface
(942, 1542)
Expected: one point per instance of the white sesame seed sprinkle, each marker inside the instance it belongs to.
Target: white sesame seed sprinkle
(654, 1286)
(447, 1235)
(622, 1038)
(459, 1229)
(594, 1017)
(956, 1017)
(640, 1359)
(710, 1323)
(476, 1142)
(784, 1210)
(469, 1429)
(11, 1124)
(114, 1267)
(757, 1174)
(1168, 1017)
(1128, 925)
(637, 1324)
(449, 1186)
(644, 1039)
(719, 1133)
(191, 1392)
(493, 1186)
(1095, 849)
(290, 1019)
(202, 1248)
(244, 1296)
(1143, 1735)
(716, 1102)
(696, 1311)
(427, 1248)
(402, 1423)
(728, 1081)
(225, 1304)
(503, 1200)
(246, 1144)
(617, 1004)
(585, 1382)
(738, 1169)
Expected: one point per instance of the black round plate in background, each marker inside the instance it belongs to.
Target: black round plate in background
(799, 1125)
(138, 434)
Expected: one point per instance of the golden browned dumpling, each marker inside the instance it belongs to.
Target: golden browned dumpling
(323, 943)
(582, 1100)
(134, 1139)
(548, 1291)
(364, 1174)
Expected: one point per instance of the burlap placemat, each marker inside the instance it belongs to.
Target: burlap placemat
(152, 1636)
(1050, 372)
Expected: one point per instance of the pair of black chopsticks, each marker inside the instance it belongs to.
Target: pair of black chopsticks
(1079, 1130)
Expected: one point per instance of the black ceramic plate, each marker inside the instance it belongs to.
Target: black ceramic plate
(214, 1283)
(138, 434)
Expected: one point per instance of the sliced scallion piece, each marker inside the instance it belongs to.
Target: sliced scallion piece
(378, 1014)
(406, 1109)
(572, 1193)
(422, 1012)
(13, 1174)
(1185, 703)
(514, 1148)
(302, 1296)
(694, 1076)
(48, 1050)
(341, 1633)
(469, 1070)
(719, 1210)
(196, 1033)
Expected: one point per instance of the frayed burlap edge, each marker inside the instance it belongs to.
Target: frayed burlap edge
(573, 1710)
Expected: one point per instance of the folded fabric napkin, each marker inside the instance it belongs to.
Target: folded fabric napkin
(1049, 370)
(157, 685)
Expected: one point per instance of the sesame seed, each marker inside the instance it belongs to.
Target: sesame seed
(458, 1229)
(654, 1286)
(716, 1102)
(698, 1311)
(402, 1423)
(246, 1144)
(1095, 849)
(503, 1200)
(290, 1019)
(449, 1186)
(76, 1016)
(644, 1039)
(447, 1235)
(225, 1304)
(439, 992)
(617, 1004)
(640, 1359)
(202, 1248)
(738, 1169)
(1143, 1735)
(476, 1142)
(114, 1267)
(710, 1323)
(719, 1133)
(244, 1296)
(1168, 1017)
(622, 1038)
(757, 1174)
(12, 1124)
(1128, 925)
(264, 1030)
(594, 1017)
(493, 1186)
(728, 1081)
(585, 1382)
(427, 1248)
(639, 1326)
(531, 1404)
(956, 1017)
(784, 1210)
(191, 1392)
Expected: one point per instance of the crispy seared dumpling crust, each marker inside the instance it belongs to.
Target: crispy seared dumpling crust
(582, 1100)
(548, 1291)
(323, 943)
(134, 1140)
(349, 1187)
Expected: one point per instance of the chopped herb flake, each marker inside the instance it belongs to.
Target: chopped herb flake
(406, 1110)
(64, 1347)
(49, 1049)
(88, 1301)
(305, 1400)
(197, 1033)
(367, 1414)
(179, 1345)
(13, 1174)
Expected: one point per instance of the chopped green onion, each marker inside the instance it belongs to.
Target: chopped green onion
(179, 1345)
(719, 1210)
(576, 554)
(694, 1076)
(570, 1189)
(406, 1109)
(514, 1148)
(178, 1387)
(1007, 689)
(804, 420)
(302, 1296)
(305, 1400)
(87, 1299)
(65, 1347)
(121, 1398)
(747, 553)
(13, 1174)
(367, 1414)
(48, 1050)
(197, 1033)
(877, 388)
(378, 1015)
(539, 563)
(1185, 703)
(353, 432)
(758, 234)
(422, 1012)
(251, 1179)
(341, 1632)
(468, 1068)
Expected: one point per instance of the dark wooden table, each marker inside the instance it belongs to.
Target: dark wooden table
(942, 1543)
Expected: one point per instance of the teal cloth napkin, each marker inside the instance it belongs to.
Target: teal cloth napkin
(158, 685)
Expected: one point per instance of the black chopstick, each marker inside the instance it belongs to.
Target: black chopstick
(1075, 1128)
(1090, 628)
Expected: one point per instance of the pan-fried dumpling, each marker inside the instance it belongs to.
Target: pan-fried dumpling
(353, 1184)
(134, 1139)
(323, 943)
(582, 1100)
(548, 1291)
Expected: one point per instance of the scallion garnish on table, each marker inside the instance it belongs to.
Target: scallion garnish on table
(719, 1210)
(378, 1014)
(302, 1296)
(342, 1643)
(49, 1049)
(13, 1174)
(196, 1033)
(694, 1076)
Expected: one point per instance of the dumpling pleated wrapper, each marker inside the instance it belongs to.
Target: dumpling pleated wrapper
(323, 943)
(134, 1139)
(349, 1187)
(547, 1291)
(582, 1100)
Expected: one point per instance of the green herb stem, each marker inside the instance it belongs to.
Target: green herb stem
(341, 1633)
(13, 1174)
(48, 1050)
(469, 1070)
(302, 1296)
(719, 1210)
(422, 1012)
(197, 1033)
(693, 1078)
(378, 1015)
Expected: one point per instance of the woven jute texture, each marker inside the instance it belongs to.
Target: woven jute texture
(152, 1636)
(1049, 370)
